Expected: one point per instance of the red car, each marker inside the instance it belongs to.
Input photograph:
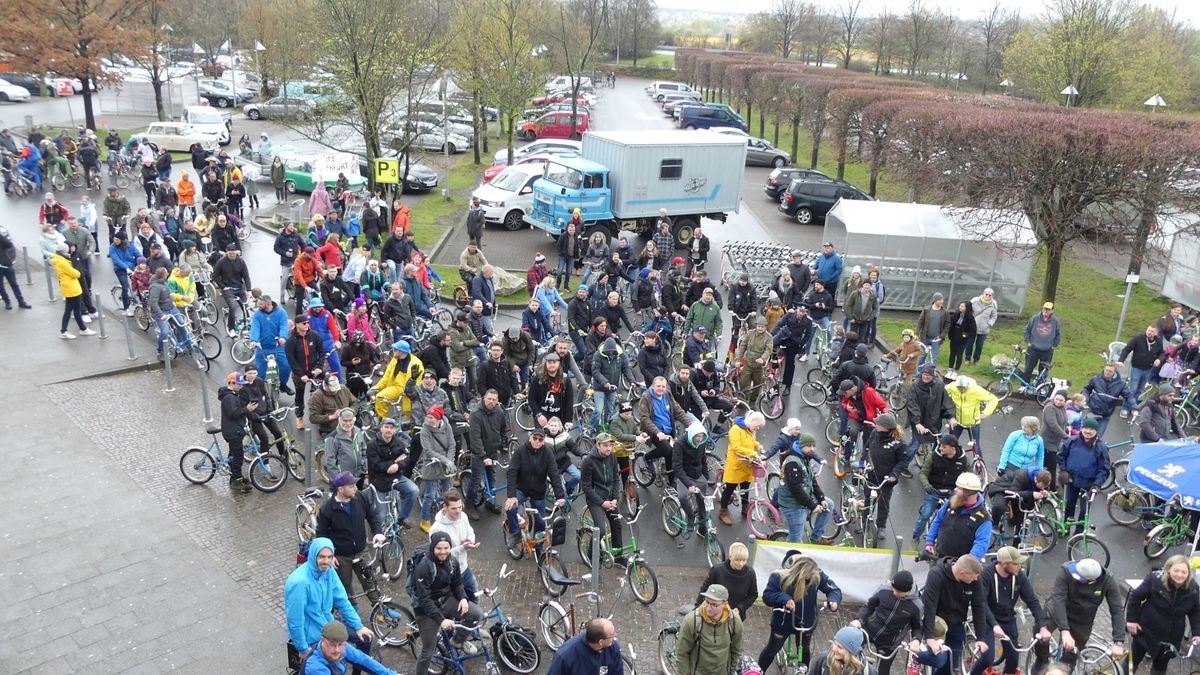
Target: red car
(558, 97)
(554, 125)
(539, 158)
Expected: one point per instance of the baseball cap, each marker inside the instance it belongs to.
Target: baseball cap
(1086, 570)
(537, 433)
(716, 592)
(429, 374)
(301, 318)
(347, 414)
(235, 378)
(1010, 554)
(885, 422)
(699, 329)
(860, 348)
(845, 386)
(388, 422)
(1048, 305)
(626, 406)
(604, 438)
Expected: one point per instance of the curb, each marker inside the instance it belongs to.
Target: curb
(140, 365)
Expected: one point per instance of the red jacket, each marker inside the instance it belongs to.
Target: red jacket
(872, 403)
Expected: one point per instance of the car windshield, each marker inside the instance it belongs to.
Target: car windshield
(564, 176)
(205, 117)
(510, 181)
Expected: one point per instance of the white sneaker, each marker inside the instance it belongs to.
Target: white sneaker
(804, 358)
(66, 336)
(129, 311)
(87, 318)
(232, 334)
(88, 332)
(95, 315)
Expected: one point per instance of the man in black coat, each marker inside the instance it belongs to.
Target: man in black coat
(341, 519)
(234, 410)
(8, 272)
(928, 407)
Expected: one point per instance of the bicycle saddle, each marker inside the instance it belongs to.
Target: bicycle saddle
(212, 430)
(557, 578)
(313, 493)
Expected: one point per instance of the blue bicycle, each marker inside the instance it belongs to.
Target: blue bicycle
(512, 643)
(1011, 381)
(198, 465)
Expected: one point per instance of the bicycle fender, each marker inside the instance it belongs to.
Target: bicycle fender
(552, 603)
(1154, 532)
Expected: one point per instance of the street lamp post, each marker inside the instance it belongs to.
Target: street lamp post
(1069, 92)
(198, 52)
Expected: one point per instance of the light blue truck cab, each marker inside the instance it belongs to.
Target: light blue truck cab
(570, 183)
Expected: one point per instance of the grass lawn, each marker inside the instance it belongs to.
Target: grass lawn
(1088, 309)
(652, 60)
(450, 276)
(431, 215)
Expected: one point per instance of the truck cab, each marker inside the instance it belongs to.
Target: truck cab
(566, 184)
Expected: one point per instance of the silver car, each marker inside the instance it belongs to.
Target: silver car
(280, 107)
(761, 153)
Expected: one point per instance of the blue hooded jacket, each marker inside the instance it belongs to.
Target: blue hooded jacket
(309, 597)
(317, 664)
(829, 269)
(775, 595)
(123, 257)
(266, 326)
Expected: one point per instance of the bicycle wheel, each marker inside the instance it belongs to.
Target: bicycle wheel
(443, 318)
(813, 394)
(1096, 661)
(141, 317)
(1040, 533)
(210, 345)
(241, 351)
(831, 431)
(394, 624)
(268, 472)
(517, 651)
(1043, 392)
(771, 403)
(306, 522)
(713, 550)
(1120, 474)
(1126, 507)
(523, 416)
(553, 625)
(763, 519)
(59, 182)
(1184, 415)
(512, 542)
(1157, 542)
(583, 538)
(897, 396)
(201, 362)
(643, 581)
(122, 181)
(631, 501)
(1000, 387)
(210, 315)
(980, 468)
(630, 666)
(817, 376)
(667, 640)
(319, 466)
(714, 467)
(643, 472)
(392, 557)
(774, 480)
(197, 465)
(1085, 545)
(672, 516)
(549, 561)
(295, 461)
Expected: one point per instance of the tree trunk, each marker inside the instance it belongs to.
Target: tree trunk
(816, 150)
(508, 136)
(795, 137)
(1138, 255)
(762, 123)
(749, 112)
(475, 124)
(874, 178)
(841, 161)
(157, 84)
(1054, 258)
(775, 123)
(89, 113)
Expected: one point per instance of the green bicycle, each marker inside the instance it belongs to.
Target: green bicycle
(675, 522)
(1172, 530)
(642, 579)
(1083, 544)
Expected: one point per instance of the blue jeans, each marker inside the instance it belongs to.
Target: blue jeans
(934, 348)
(123, 279)
(562, 273)
(975, 347)
(1103, 421)
(469, 583)
(537, 502)
(165, 324)
(929, 507)
(408, 499)
(573, 477)
(1139, 378)
(972, 433)
(955, 637)
(430, 489)
(797, 523)
(281, 362)
(605, 402)
(580, 345)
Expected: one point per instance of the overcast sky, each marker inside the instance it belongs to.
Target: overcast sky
(1185, 10)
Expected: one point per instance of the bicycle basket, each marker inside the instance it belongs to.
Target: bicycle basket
(1002, 362)
(758, 469)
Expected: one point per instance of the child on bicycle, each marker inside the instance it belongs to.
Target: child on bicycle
(624, 430)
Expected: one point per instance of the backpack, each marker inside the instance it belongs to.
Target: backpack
(419, 553)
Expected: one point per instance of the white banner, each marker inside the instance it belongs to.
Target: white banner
(326, 167)
(858, 572)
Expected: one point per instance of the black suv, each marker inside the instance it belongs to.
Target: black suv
(779, 180)
(810, 200)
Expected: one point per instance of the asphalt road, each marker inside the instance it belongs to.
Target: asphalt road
(625, 107)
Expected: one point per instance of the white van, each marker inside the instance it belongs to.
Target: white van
(564, 82)
(509, 196)
(663, 88)
(209, 120)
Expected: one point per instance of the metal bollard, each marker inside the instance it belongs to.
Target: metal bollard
(99, 315)
(208, 416)
(167, 366)
(128, 335)
(308, 451)
(28, 272)
(50, 274)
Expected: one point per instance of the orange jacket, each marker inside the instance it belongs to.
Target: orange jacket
(187, 192)
(306, 270)
(401, 220)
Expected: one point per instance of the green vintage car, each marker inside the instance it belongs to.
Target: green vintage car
(298, 170)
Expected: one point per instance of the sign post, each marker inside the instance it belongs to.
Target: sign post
(387, 171)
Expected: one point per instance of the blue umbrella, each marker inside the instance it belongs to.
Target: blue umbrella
(1168, 469)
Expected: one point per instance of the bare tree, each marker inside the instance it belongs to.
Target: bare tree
(790, 17)
(882, 31)
(850, 21)
(917, 33)
(996, 28)
(577, 32)
(821, 32)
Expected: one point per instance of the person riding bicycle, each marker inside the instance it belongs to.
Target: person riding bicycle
(860, 405)
(1156, 418)
(326, 403)
(743, 449)
(954, 592)
(938, 477)
(341, 519)
(1105, 391)
(688, 461)
(710, 639)
(743, 301)
(268, 335)
(1005, 584)
(1030, 486)
(532, 471)
(660, 418)
(333, 655)
(1085, 462)
(794, 587)
(346, 448)
(306, 272)
(698, 348)
(388, 461)
(335, 292)
(602, 486)
(754, 352)
(685, 393)
(89, 159)
(888, 615)
(310, 595)
(928, 407)
(961, 525)
(234, 410)
(626, 434)
(305, 359)
(440, 600)
(551, 393)
(471, 262)
(437, 464)
(398, 382)
(610, 374)
(707, 381)
(1079, 588)
(972, 405)
(887, 458)
(232, 277)
(326, 327)
(520, 352)
(166, 314)
(487, 436)
(358, 357)
(427, 395)
(800, 495)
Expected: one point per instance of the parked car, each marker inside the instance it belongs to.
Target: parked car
(539, 159)
(429, 137)
(11, 92)
(563, 96)
(420, 178)
(661, 89)
(281, 107)
(436, 120)
(32, 83)
(533, 113)
(255, 165)
(554, 125)
(761, 153)
(509, 196)
(179, 137)
(717, 106)
(670, 101)
(207, 118)
(564, 82)
(221, 93)
(710, 118)
(810, 200)
(541, 145)
(298, 176)
(779, 180)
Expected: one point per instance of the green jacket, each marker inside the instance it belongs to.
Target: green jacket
(754, 346)
(462, 346)
(707, 315)
(278, 175)
(860, 308)
(707, 648)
